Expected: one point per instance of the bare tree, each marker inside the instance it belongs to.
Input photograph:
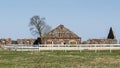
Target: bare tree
(38, 26)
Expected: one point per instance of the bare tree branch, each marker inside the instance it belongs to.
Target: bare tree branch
(38, 26)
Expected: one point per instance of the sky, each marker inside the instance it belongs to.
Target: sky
(87, 18)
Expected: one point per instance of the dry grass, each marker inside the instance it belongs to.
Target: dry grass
(59, 59)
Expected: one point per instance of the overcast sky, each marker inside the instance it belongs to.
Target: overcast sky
(87, 18)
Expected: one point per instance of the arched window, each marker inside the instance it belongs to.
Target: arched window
(49, 42)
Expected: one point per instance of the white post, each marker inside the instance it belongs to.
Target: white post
(39, 47)
(89, 47)
(52, 47)
(101, 46)
(95, 48)
(110, 48)
(22, 48)
(15, 47)
(57, 46)
(80, 48)
(65, 47)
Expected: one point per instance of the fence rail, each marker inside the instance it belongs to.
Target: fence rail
(80, 47)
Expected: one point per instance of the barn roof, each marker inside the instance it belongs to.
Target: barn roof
(61, 32)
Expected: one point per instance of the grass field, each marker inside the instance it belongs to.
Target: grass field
(59, 59)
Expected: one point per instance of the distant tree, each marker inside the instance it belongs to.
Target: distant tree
(38, 26)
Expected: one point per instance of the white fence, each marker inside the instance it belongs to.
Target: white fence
(66, 47)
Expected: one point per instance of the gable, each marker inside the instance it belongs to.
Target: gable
(111, 34)
(61, 32)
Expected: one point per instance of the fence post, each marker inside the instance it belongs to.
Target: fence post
(39, 47)
(15, 47)
(52, 47)
(57, 46)
(80, 48)
(95, 48)
(110, 48)
(65, 47)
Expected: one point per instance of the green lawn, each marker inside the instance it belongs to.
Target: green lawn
(59, 59)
